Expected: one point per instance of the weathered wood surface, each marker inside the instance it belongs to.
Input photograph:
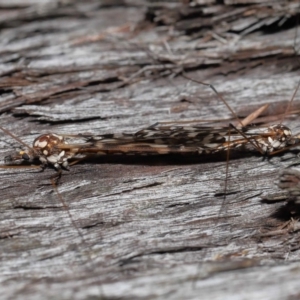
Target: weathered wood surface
(146, 228)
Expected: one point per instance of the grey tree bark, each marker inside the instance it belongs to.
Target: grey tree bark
(158, 227)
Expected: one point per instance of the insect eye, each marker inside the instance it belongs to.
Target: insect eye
(25, 156)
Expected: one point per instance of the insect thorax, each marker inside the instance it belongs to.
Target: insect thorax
(278, 137)
(47, 151)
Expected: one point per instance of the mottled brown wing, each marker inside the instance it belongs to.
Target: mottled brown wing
(158, 140)
(169, 135)
(186, 139)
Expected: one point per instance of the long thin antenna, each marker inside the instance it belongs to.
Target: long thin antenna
(16, 138)
(290, 103)
(216, 92)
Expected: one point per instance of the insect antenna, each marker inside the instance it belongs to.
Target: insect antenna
(16, 138)
(290, 104)
(183, 74)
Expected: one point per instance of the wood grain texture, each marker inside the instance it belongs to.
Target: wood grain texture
(145, 228)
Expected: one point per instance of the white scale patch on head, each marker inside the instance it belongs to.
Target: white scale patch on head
(53, 159)
(45, 152)
(61, 154)
(40, 144)
(274, 143)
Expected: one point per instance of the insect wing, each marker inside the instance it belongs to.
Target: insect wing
(157, 140)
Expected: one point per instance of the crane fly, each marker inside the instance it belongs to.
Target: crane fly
(56, 150)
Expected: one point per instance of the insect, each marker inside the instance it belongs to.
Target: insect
(56, 150)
